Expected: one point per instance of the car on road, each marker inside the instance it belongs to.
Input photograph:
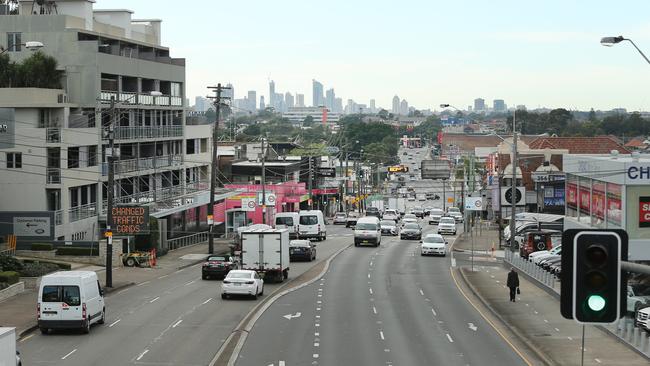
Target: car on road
(409, 220)
(447, 225)
(340, 218)
(388, 227)
(242, 282)
(367, 231)
(302, 250)
(430, 195)
(433, 244)
(217, 266)
(391, 215)
(312, 225)
(351, 220)
(455, 213)
(289, 221)
(418, 212)
(411, 230)
(435, 215)
(427, 210)
(373, 211)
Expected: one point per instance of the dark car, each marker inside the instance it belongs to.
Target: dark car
(535, 241)
(373, 211)
(302, 250)
(411, 231)
(217, 266)
(418, 212)
(352, 219)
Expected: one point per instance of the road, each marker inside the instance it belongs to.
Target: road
(377, 306)
(177, 319)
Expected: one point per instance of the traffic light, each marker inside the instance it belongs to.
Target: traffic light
(593, 286)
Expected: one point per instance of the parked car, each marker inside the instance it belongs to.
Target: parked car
(642, 319)
(217, 266)
(538, 256)
(455, 213)
(536, 241)
(312, 225)
(367, 231)
(638, 297)
(433, 244)
(242, 282)
(447, 225)
(302, 250)
(351, 221)
(70, 299)
(388, 227)
(411, 231)
(435, 215)
(340, 218)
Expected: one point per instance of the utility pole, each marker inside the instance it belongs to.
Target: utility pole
(263, 182)
(311, 198)
(514, 182)
(345, 190)
(444, 195)
(214, 166)
(110, 199)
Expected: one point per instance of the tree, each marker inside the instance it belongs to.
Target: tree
(39, 71)
(308, 122)
(383, 114)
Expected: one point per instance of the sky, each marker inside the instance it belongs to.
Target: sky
(540, 54)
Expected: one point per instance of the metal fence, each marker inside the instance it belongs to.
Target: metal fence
(187, 240)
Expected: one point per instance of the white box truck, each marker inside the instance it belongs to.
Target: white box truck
(7, 346)
(266, 251)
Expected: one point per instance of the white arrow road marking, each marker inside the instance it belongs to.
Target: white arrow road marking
(472, 326)
(449, 337)
(289, 316)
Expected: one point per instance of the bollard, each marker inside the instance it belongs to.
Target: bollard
(629, 334)
(635, 337)
(646, 343)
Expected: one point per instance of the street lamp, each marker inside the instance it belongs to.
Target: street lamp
(31, 45)
(610, 41)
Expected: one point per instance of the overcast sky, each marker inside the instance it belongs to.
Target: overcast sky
(542, 53)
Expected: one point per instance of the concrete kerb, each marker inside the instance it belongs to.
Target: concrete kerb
(540, 355)
(246, 324)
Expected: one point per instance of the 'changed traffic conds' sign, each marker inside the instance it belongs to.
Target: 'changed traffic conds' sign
(130, 220)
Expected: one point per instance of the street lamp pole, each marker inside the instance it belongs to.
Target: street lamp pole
(610, 41)
(31, 45)
(513, 196)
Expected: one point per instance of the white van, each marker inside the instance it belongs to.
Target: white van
(70, 299)
(311, 224)
(367, 230)
(289, 221)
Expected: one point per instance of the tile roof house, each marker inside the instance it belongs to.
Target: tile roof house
(637, 143)
(580, 145)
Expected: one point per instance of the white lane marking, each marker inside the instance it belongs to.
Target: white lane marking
(316, 334)
(318, 325)
(570, 338)
(453, 262)
(163, 276)
(189, 283)
(557, 330)
(374, 310)
(316, 344)
(370, 291)
(317, 316)
(154, 299)
(206, 301)
(472, 326)
(434, 312)
(421, 292)
(597, 360)
(368, 275)
(526, 304)
(449, 337)
(545, 321)
(143, 283)
(115, 322)
(280, 363)
(142, 355)
(320, 295)
(315, 355)
(123, 291)
(381, 334)
(177, 323)
(536, 312)
(71, 352)
(26, 338)
(317, 309)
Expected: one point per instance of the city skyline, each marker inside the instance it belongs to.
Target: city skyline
(564, 64)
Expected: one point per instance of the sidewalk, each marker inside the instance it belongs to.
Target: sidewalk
(535, 318)
(20, 311)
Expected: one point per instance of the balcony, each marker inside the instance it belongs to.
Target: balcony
(134, 165)
(169, 194)
(147, 132)
(133, 98)
(82, 212)
(53, 175)
(53, 134)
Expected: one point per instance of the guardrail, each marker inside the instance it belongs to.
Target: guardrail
(187, 240)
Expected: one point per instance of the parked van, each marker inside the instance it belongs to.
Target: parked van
(70, 299)
(311, 224)
(367, 231)
(289, 221)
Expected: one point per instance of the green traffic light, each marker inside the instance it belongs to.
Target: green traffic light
(596, 302)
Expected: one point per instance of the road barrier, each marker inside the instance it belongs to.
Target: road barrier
(187, 240)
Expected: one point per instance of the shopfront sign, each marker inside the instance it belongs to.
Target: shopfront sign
(544, 177)
(644, 211)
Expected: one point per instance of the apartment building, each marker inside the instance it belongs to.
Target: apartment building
(53, 156)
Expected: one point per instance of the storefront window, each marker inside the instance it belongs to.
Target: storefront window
(613, 205)
(191, 219)
(572, 196)
(598, 204)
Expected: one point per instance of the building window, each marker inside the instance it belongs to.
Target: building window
(92, 155)
(14, 160)
(13, 42)
(204, 145)
(73, 157)
(190, 146)
(175, 89)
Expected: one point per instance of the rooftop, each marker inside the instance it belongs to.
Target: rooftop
(580, 145)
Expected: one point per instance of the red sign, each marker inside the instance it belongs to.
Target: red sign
(585, 200)
(440, 137)
(644, 211)
(572, 195)
(614, 203)
(598, 200)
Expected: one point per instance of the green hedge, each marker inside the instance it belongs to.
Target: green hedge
(38, 269)
(79, 251)
(9, 263)
(42, 246)
(9, 277)
(63, 266)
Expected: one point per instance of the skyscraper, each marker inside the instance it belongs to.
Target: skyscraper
(373, 108)
(404, 108)
(330, 97)
(230, 93)
(338, 105)
(272, 94)
(499, 105)
(317, 93)
(479, 105)
(300, 100)
(262, 105)
(396, 105)
(252, 100)
(288, 100)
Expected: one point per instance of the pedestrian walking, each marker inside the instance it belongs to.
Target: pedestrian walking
(513, 283)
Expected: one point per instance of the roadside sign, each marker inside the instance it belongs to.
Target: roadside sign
(130, 220)
(32, 226)
(474, 203)
(248, 204)
(270, 199)
(450, 200)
